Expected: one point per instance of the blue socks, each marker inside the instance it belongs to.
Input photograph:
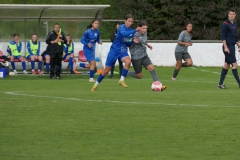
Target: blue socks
(100, 78)
(24, 65)
(39, 65)
(235, 73)
(83, 65)
(124, 72)
(32, 64)
(47, 66)
(70, 63)
(91, 73)
(13, 65)
(223, 75)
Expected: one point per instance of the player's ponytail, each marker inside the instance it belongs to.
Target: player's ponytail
(90, 25)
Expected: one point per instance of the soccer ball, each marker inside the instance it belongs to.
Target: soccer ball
(156, 86)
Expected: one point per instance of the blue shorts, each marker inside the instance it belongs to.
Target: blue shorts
(230, 58)
(113, 56)
(17, 57)
(29, 56)
(46, 54)
(90, 55)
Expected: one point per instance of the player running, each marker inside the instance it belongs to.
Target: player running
(119, 49)
(181, 50)
(139, 56)
(229, 39)
(89, 39)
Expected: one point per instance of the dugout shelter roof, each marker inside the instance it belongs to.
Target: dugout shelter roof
(36, 14)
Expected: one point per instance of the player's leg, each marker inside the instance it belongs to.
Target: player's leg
(112, 71)
(22, 59)
(92, 70)
(224, 71)
(52, 65)
(188, 60)
(40, 59)
(148, 64)
(234, 64)
(137, 66)
(13, 64)
(120, 66)
(178, 56)
(110, 61)
(70, 62)
(47, 60)
(32, 59)
(126, 59)
(58, 64)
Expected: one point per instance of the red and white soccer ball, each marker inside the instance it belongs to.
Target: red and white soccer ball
(156, 86)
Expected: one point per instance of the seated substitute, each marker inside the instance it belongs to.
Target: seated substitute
(33, 49)
(14, 49)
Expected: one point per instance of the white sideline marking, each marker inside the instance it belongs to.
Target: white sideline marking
(120, 102)
(107, 101)
(211, 72)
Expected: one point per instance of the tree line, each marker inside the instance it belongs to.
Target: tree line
(166, 18)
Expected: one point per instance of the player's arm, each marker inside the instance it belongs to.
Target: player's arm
(39, 46)
(29, 48)
(223, 37)
(149, 46)
(180, 40)
(19, 47)
(72, 48)
(98, 39)
(64, 39)
(83, 39)
(49, 39)
(9, 51)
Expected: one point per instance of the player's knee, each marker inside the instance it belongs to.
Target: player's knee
(189, 64)
(139, 76)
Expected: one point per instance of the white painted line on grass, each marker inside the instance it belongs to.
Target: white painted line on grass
(120, 102)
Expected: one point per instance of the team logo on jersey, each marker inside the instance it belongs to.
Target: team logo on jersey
(95, 34)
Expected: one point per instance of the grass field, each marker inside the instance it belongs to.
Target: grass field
(61, 119)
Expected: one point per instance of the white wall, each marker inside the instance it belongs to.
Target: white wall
(203, 54)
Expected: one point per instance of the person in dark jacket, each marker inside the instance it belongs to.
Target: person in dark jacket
(55, 40)
(113, 36)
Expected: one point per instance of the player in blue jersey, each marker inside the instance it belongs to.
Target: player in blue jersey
(89, 39)
(33, 49)
(229, 39)
(14, 49)
(46, 57)
(69, 55)
(119, 49)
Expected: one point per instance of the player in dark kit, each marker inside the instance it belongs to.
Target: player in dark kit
(229, 39)
(55, 40)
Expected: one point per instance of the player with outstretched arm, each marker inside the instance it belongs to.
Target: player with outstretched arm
(119, 49)
(139, 56)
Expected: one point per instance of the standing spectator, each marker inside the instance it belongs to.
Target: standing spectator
(55, 40)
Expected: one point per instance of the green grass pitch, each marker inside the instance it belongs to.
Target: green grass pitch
(61, 119)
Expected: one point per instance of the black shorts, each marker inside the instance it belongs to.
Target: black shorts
(138, 63)
(182, 55)
(231, 57)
